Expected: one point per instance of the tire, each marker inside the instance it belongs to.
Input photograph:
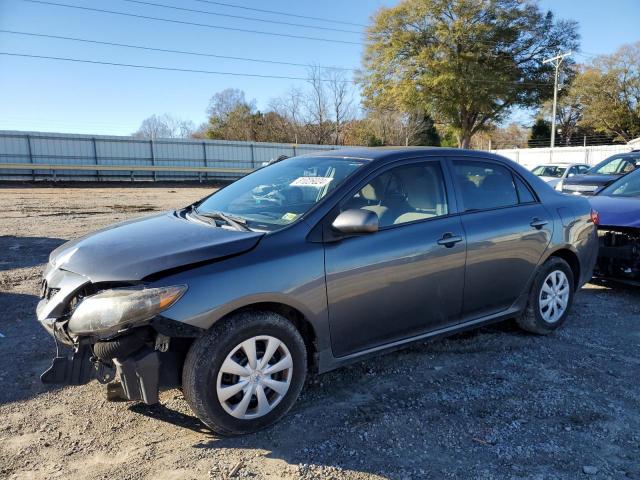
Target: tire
(537, 318)
(211, 357)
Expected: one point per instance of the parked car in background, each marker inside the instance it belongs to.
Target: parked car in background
(553, 173)
(234, 298)
(601, 175)
(618, 207)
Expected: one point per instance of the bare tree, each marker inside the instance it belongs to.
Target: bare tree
(223, 103)
(289, 106)
(317, 107)
(341, 97)
(164, 126)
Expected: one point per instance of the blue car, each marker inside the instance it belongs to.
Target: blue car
(618, 207)
(601, 175)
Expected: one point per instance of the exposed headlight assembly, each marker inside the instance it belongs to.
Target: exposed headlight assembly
(112, 310)
(559, 185)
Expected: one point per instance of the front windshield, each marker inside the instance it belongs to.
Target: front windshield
(628, 186)
(275, 196)
(549, 171)
(617, 165)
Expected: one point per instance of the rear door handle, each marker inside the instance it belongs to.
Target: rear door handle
(537, 223)
(449, 240)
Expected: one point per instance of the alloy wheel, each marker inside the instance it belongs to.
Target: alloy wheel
(254, 377)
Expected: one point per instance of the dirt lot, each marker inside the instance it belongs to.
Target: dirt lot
(495, 403)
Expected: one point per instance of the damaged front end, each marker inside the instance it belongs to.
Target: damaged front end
(113, 331)
(619, 254)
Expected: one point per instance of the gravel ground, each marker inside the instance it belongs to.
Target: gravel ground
(494, 403)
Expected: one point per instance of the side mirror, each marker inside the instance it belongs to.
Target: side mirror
(356, 221)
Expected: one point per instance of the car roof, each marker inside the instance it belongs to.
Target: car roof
(632, 153)
(376, 154)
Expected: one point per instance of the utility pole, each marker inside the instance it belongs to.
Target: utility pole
(557, 60)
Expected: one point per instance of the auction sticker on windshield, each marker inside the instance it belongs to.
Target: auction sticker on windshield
(311, 182)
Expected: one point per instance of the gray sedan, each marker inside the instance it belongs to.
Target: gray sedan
(309, 264)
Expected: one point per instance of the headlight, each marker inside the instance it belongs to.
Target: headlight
(559, 186)
(112, 310)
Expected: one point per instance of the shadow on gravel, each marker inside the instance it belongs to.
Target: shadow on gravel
(23, 252)
(26, 350)
(164, 414)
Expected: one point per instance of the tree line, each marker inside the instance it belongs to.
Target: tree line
(442, 72)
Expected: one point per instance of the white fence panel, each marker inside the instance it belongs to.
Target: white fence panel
(532, 157)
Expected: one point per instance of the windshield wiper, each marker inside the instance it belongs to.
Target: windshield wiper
(235, 222)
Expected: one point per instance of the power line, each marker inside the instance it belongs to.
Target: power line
(184, 22)
(208, 12)
(588, 54)
(154, 67)
(275, 12)
(166, 50)
(206, 25)
(211, 72)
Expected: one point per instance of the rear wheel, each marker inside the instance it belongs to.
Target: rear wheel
(550, 298)
(245, 373)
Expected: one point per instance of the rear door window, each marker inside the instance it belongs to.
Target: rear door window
(485, 185)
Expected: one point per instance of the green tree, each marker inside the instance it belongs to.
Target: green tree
(231, 116)
(540, 133)
(466, 63)
(426, 134)
(360, 132)
(610, 93)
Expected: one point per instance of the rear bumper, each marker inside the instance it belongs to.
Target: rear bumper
(588, 256)
(619, 255)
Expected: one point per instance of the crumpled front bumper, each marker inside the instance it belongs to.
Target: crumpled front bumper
(57, 290)
(143, 367)
(139, 372)
(77, 369)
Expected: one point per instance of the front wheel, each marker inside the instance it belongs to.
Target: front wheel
(245, 373)
(550, 298)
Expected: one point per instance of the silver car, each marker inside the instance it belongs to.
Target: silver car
(555, 173)
(306, 265)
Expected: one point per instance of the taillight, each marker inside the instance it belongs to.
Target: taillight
(595, 217)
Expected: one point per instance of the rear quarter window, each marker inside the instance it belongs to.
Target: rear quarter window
(524, 193)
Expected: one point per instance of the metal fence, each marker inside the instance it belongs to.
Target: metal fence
(53, 155)
(37, 155)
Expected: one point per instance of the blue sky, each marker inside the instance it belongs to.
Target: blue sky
(47, 95)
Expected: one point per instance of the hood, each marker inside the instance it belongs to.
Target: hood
(617, 211)
(135, 249)
(552, 181)
(588, 179)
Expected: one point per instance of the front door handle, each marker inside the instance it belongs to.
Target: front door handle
(449, 240)
(537, 223)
